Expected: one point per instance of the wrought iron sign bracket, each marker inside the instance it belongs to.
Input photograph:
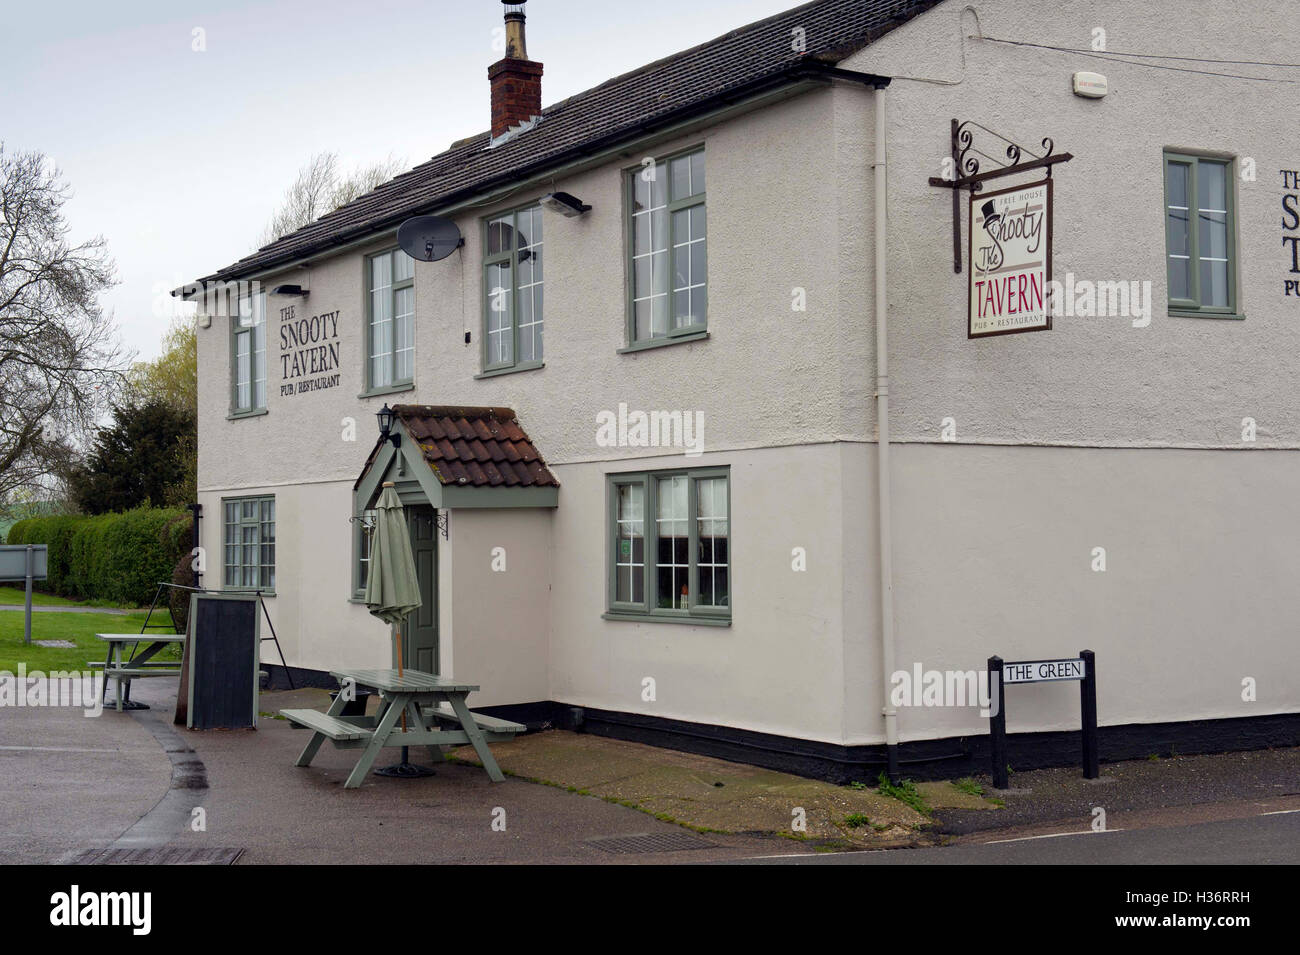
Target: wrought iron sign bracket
(967, 174)
(441, 516)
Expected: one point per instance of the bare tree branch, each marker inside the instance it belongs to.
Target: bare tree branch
(321, 188)
(60, 358)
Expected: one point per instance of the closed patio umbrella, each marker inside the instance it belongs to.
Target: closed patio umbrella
(392, 589)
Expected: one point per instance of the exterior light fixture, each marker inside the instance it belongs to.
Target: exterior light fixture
(564, 203)
(386, 432)
(296, 290)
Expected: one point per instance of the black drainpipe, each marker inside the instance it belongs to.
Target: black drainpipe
(197, 511)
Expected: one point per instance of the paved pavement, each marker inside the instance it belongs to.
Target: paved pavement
(123, 791)
(70, 782)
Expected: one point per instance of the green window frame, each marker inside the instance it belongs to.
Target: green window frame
(248, 355)
(363, 526)
(667, 241)
(669, 545)
(390, 320)
(248, 551)
(513, 282)
(1201, 234)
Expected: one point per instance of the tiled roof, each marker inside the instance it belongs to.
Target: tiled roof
(747, 60)
(473, 447)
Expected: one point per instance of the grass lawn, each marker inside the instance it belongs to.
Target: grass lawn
(17, 596)
(80, 628)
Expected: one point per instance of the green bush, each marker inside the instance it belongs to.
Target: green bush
(56, 532)
(117, 558)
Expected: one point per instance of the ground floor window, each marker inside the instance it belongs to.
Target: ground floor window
(669, 537)
(363, 527)
(249, 543)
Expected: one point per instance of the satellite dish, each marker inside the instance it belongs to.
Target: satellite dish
(429, 238)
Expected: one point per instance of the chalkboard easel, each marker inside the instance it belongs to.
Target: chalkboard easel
(222, 652)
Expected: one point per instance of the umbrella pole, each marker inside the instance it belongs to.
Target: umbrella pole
(405, 769)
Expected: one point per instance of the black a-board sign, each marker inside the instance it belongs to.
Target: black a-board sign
(1004, 673)
(222, 650)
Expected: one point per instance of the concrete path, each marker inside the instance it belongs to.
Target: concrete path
(713, 794)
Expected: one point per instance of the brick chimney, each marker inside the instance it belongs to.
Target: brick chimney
(516, 80)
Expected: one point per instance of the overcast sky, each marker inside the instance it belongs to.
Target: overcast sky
(178, 156)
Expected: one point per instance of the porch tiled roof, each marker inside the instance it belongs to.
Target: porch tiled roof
(720, 70)
(474, 447)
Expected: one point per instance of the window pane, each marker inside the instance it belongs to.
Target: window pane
(629, 544)
(1178, 185)
(500, 236)
(403, 267)
(711, 559)
(500, 338)
(659, 187)
(680, 172)
(243, 371)
(403, 334)
(259, 364)
(1214, 283)
(697, 173)
(381, 272)
(1213, 235)
(672, 544)
(528, 304)
(1211, 185)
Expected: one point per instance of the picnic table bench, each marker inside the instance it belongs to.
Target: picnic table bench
(436, 711)
(137, 665)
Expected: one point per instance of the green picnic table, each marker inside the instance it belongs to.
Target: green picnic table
(139, 663)
(436, 715)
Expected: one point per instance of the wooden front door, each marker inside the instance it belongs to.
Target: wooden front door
(420, 638)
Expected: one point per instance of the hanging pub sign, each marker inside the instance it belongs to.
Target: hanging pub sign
(1010, 261)
(1009, 255)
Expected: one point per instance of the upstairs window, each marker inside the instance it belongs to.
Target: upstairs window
(669, 264)
(248, 348)
(390, 342)
(512, 291)
(1200, 236)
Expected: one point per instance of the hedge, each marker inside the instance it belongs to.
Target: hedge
(115, 558)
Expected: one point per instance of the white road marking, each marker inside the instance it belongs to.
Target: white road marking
(1051, 835)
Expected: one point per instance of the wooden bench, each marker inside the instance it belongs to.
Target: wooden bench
(331, 727)
(488, 724)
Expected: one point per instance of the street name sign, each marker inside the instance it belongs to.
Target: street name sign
(1042, 671)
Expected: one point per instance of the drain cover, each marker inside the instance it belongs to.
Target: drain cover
(162, 855)
(645, 842)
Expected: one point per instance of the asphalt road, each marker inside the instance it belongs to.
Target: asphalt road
(1271, 838)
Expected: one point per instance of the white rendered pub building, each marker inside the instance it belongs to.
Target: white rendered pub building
(713, 432)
